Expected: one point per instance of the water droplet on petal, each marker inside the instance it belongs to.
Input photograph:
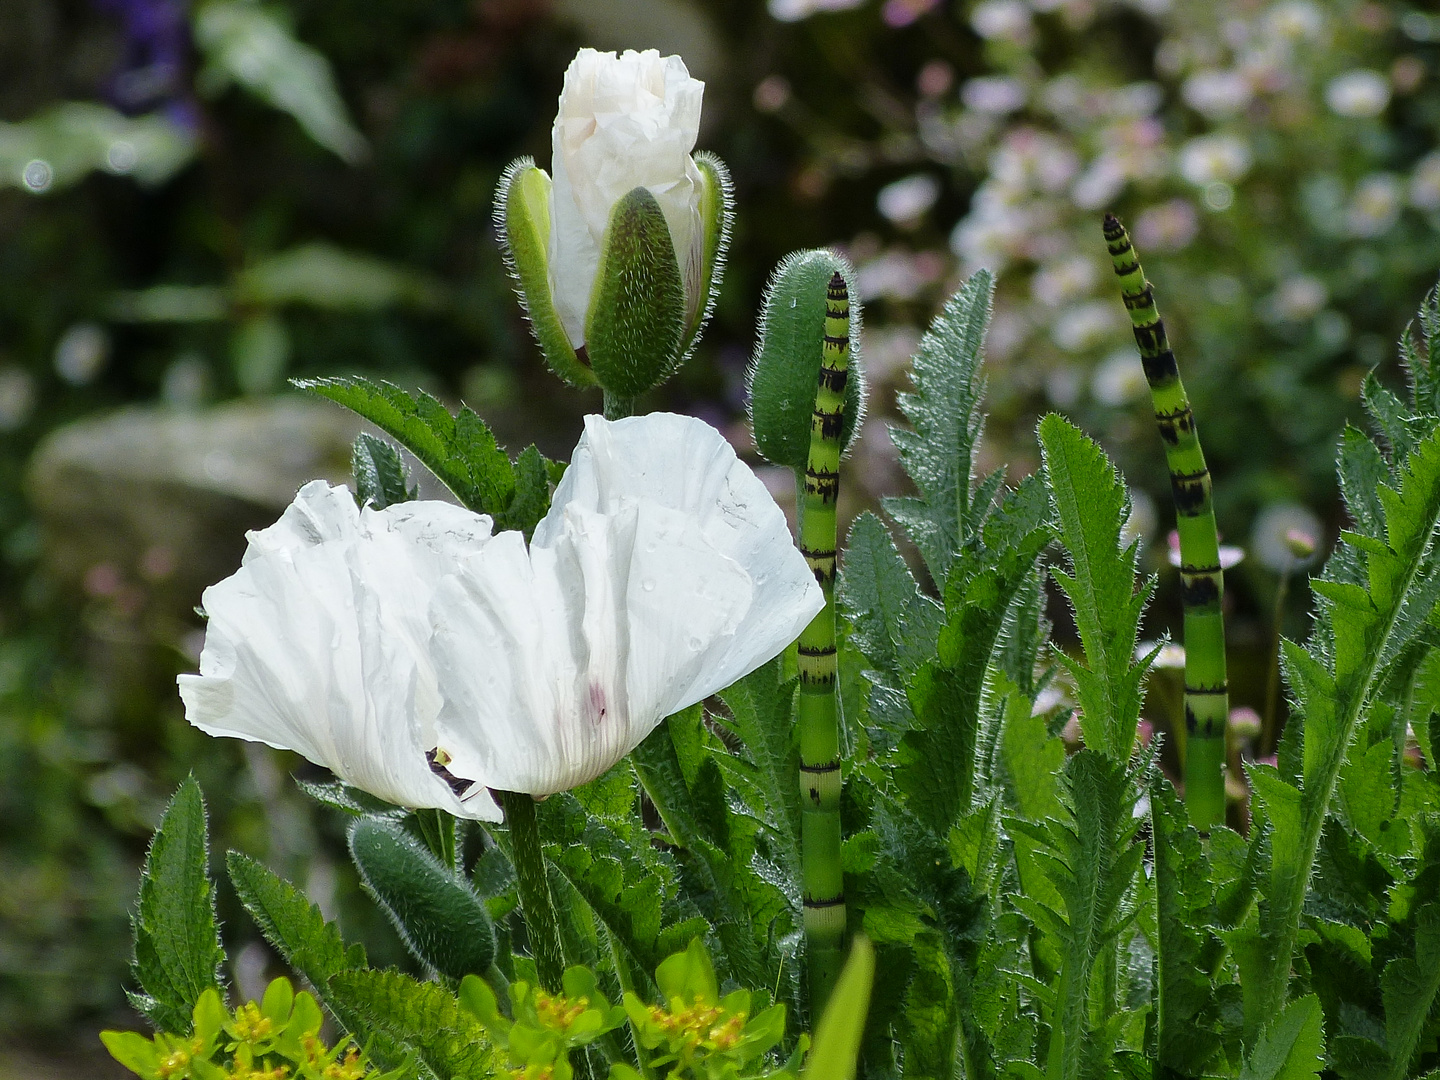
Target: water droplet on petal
(695, 644)
(648, 585)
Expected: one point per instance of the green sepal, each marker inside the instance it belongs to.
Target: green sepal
(786, 367)
(717, 217)
(635, 325)
(441, 919)
(522, 218)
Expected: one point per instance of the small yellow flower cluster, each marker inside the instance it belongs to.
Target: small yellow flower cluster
(277, 1039)
(559, 1012)
(700, 1026)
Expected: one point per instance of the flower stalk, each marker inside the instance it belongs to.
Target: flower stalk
(1207, 697)
(536, 904)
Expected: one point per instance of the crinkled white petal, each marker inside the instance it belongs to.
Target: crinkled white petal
(317, 643)
(663, 572)
(624, 122)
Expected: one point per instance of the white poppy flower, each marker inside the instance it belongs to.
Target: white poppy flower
(317, 643)
(624, 122)
(663, 572)
(375, 642)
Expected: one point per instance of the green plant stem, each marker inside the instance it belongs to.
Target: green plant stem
(818, 716)
(536, 904)
(1269, 735)
(617, 407)
(1202, 582)
(437, 828)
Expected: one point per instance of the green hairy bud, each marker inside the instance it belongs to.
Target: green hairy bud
(787, 361)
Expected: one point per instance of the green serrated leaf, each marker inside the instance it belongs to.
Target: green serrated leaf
(426, 1017)
(460, 450)
(894, 624)
(1410, 987)
(944, 411)
(1093, 507)
(1293, 1046)
(381, 479)
(177, 940)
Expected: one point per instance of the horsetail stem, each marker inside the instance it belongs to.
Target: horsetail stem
(1207, 700)
(818, 716)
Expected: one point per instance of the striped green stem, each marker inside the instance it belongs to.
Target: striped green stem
(819, 720)
(1202, 583)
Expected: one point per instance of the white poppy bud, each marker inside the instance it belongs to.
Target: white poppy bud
(619, 256)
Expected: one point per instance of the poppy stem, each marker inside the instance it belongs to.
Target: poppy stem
(536, 903)
(617, 407)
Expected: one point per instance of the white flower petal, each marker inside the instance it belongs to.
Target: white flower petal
(663, 572)
(317, 643)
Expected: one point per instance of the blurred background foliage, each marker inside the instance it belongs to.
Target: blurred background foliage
(198, 201)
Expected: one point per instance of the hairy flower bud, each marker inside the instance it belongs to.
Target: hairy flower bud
(618, 257)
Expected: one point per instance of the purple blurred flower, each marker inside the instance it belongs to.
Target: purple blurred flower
(152, 73)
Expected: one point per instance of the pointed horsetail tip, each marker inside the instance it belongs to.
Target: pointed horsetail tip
(790, 355)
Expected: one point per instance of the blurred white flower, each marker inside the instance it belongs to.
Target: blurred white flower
(1119, 379)
(663, 572)
(1425, 182)
(1217, 94)
(887, 351)
(994, 94)
(1375, 206)
(1006, 20)
(1084, 326)
(1142, 519)
(897, 275)
(1298, 298)
(795, 10)
(624, 122)
(1063, 280)
(1169, 655)
(17, 396)
(1133, 101)
(81, 353)
(1098, 185)
(1028, 159)
(1170, 226)
(1295, 20)
(423, 660)
(1209, 159)
(1270, 536)
(905, 201)
(1358, 93)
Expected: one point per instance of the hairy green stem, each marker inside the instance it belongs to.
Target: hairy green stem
(536, 904)
(1202, 581)
(818, 715)
(1269, 735)
(437, 827)
(617, 407)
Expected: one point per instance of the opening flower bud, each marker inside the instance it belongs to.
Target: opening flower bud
(618, 258)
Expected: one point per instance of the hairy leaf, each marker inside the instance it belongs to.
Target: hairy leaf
(381, 479)
(177, 941)
(944, 411)
(1292, 1048)
(423, 1016)
(1093, 507)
